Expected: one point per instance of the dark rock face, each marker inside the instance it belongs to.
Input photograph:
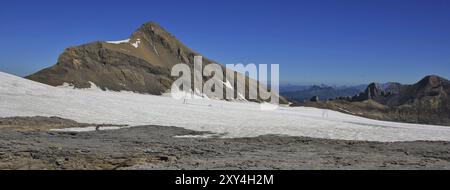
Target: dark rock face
(140, 64)
(105, 68)
(378, 92)
(391, 87)
(373, 91)
(315, 99)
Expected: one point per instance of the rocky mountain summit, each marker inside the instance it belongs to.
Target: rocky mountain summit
(426, 102)
(395, 94)
(378, 91)
(140, 64)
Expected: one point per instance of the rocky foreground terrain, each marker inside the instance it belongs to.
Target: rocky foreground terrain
(28, 143)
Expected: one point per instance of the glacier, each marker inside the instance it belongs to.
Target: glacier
(22, 97)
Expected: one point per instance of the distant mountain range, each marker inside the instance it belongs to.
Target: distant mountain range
(426, 101)
(299, 93)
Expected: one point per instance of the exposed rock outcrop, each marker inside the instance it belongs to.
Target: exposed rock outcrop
(315, 99)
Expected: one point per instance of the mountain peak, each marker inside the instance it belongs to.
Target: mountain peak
(432, 80)
(139, 64)
(152, 23)
(433, 77)
(152, 28)
(153, 33)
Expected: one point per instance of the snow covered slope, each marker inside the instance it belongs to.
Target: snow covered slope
(22, 97)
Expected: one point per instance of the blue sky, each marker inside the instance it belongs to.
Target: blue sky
(315, 41)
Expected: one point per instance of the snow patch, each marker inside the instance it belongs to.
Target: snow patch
(86, 129)
(93, 87)
(240, 96)
(127, 41)
(156, 51)
(66, 85)
(136, 44)
(204, 136)
(228, 85)
(119, 42)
